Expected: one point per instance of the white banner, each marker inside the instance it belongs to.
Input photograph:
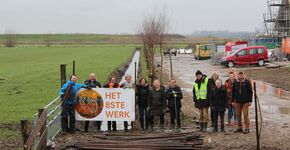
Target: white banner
(105, 104)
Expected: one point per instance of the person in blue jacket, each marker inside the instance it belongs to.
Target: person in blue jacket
(68, 121)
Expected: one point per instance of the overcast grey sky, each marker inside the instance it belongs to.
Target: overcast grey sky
(123, 16)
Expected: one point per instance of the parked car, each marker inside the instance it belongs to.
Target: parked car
(172, 51)
(247, 55)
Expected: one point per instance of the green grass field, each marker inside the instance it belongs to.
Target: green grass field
(72, 38)
(30, 78)
(29, 72)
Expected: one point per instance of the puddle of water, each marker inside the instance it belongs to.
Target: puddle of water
(276, 109)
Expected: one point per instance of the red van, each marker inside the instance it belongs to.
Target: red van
(247, 55)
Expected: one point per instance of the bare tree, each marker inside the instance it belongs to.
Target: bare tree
(153, 30)
(10, 38)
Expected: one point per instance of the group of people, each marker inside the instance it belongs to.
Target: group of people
(235, 96)
(68, 94)
(153, 101)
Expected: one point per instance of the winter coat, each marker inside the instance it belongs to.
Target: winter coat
(127, 85)
(72, 95)
(171, 98)
(142, 92)
(156, 101)
(205, 102)
(229, 87)
(242, 91)
(112, 85)
(211, 83)
(92, 84)
(219, 99)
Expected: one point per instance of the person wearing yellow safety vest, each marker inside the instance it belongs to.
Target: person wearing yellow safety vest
(201, 98)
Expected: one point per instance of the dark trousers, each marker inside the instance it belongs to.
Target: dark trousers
(143, 116)
(98, 123)
(68, 120)
(212, 117)
(126, 125)
(151, 122)
(216, 115)
(173, 116)
(112, 124)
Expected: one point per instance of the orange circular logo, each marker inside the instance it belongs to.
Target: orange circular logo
(89, 103)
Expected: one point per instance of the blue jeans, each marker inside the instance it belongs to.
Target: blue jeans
(232, 112)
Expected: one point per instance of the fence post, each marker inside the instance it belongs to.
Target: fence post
(134, 124)
(74, 68)
(62, 74)
(42, 132)
(24, 130)
(256, 118)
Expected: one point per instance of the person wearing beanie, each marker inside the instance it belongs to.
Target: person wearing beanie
(201, 98)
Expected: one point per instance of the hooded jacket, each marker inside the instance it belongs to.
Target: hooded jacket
(72, 95)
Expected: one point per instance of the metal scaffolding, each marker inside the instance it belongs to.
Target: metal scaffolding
(277, 18)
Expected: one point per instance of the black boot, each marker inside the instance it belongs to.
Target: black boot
(87, 126)
(114, 123)
(125, 126)
(109, 126)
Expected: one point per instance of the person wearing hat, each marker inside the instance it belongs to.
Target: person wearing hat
(201, 95)
(242, 95)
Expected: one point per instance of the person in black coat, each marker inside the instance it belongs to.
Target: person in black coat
(142, 92)
(92, 82)
(218, 104)
(156, 103)
(242, 96)
(174, 96)
(211, 83)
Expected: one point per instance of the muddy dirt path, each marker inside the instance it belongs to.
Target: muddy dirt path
(275, 111)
